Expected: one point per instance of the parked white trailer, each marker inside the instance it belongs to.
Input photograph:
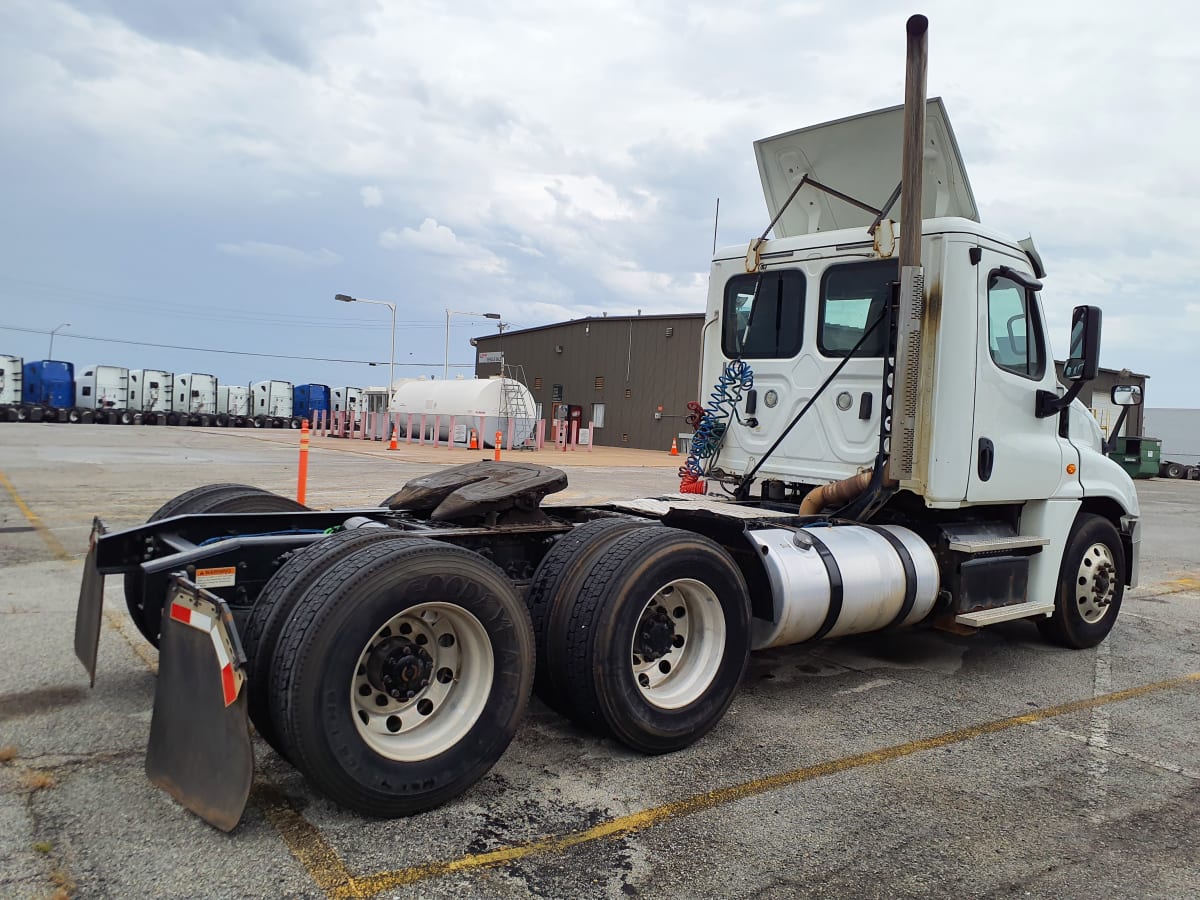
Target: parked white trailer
(193, 399)
(271, 405)
(233, 402)
(150, 393)
(939, 477)
(105, 391)
(10, 388)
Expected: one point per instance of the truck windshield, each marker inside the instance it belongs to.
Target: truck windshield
(764, 315)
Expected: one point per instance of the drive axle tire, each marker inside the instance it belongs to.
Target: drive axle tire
(260, 421)
(559, 576)
(204, 499)
(1091, 585)
(657, 640)
(124, 417)
(275, 604)
(402, 675)
(1173, 470)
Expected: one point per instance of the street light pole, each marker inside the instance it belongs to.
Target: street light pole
(346, 298)
(455, 312)
(50, 352)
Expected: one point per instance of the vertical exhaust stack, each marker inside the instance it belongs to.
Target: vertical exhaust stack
(902, 458)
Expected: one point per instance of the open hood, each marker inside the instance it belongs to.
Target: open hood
(861, 157)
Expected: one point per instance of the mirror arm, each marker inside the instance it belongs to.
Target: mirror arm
(1111, 444)
(1049, 403)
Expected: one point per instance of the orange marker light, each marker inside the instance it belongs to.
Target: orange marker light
(1071, 469)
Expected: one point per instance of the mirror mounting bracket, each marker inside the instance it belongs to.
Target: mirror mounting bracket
(1049, 403)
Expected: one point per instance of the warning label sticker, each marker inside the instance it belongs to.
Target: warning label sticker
(226, 576)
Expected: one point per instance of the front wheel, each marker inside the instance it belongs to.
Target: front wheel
(1091, 585)
(401, 676)
(656, 641)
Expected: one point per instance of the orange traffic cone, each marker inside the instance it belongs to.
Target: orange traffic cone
(394, 445)
(474, 440)
(674, 447)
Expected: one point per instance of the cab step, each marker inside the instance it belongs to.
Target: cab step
(991, 543)
(983, 617)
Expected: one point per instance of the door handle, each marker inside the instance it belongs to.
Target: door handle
(987, 456)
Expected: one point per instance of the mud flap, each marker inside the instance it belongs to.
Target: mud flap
(200, 751)
(91, 606)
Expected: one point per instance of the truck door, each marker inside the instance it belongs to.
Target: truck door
(1014, 455)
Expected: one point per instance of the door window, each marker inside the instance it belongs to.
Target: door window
(1014, 329)
(764, 315)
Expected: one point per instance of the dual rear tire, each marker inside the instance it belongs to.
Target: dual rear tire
(644, 631)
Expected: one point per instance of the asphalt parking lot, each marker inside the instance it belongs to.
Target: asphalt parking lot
(908, 764)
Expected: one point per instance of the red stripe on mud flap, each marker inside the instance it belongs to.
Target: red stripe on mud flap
(228, 684)
(181, 613)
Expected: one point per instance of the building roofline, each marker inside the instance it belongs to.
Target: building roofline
(589, 319)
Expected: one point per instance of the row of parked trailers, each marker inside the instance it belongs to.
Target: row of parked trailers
(48, 390)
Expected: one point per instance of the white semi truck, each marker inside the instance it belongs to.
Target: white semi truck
(271, 405)
(885, 414)
(10, 389)
(150, 393)
(233, 403)
(105, 391)
(193, 399)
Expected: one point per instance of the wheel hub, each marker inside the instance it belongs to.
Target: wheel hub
(656, 634)
(399, 668)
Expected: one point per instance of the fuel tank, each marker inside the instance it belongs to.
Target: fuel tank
(833, 580)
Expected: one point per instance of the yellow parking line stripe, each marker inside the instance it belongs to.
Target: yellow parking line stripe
(370, 885)
(48, 537)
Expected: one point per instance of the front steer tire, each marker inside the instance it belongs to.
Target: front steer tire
(453, 619)
(1091, 585)
(657, 640)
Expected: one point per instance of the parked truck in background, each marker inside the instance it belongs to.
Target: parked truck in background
(882, 406)
(233, 403)
(193, 399)
(310, 399)
(150, 394)
(48, 390)
(10, 389)
(104, 391)
(271, 404)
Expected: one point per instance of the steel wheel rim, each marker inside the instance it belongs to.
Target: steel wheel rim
(441, 644)
(674, 669)
(1096, 583)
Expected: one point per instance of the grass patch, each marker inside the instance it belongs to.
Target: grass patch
(43, 846)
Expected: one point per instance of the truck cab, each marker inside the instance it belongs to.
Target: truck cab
(970, 414)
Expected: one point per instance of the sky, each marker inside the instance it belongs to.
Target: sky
(209, 175)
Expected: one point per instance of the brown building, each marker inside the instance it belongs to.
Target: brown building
(630, 376)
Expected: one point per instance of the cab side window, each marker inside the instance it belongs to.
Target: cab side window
(1014, 330)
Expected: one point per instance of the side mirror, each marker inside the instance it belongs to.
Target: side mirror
(1084, 361)
(1127, 395)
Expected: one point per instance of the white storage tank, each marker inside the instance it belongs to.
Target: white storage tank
(468, 399)
(195, 393)
(233, 400)
(271, 398)
(150, 390)
(102, 387)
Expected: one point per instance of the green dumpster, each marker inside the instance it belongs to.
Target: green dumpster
(1139, 456)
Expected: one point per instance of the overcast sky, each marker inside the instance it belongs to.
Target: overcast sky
(210, 174)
